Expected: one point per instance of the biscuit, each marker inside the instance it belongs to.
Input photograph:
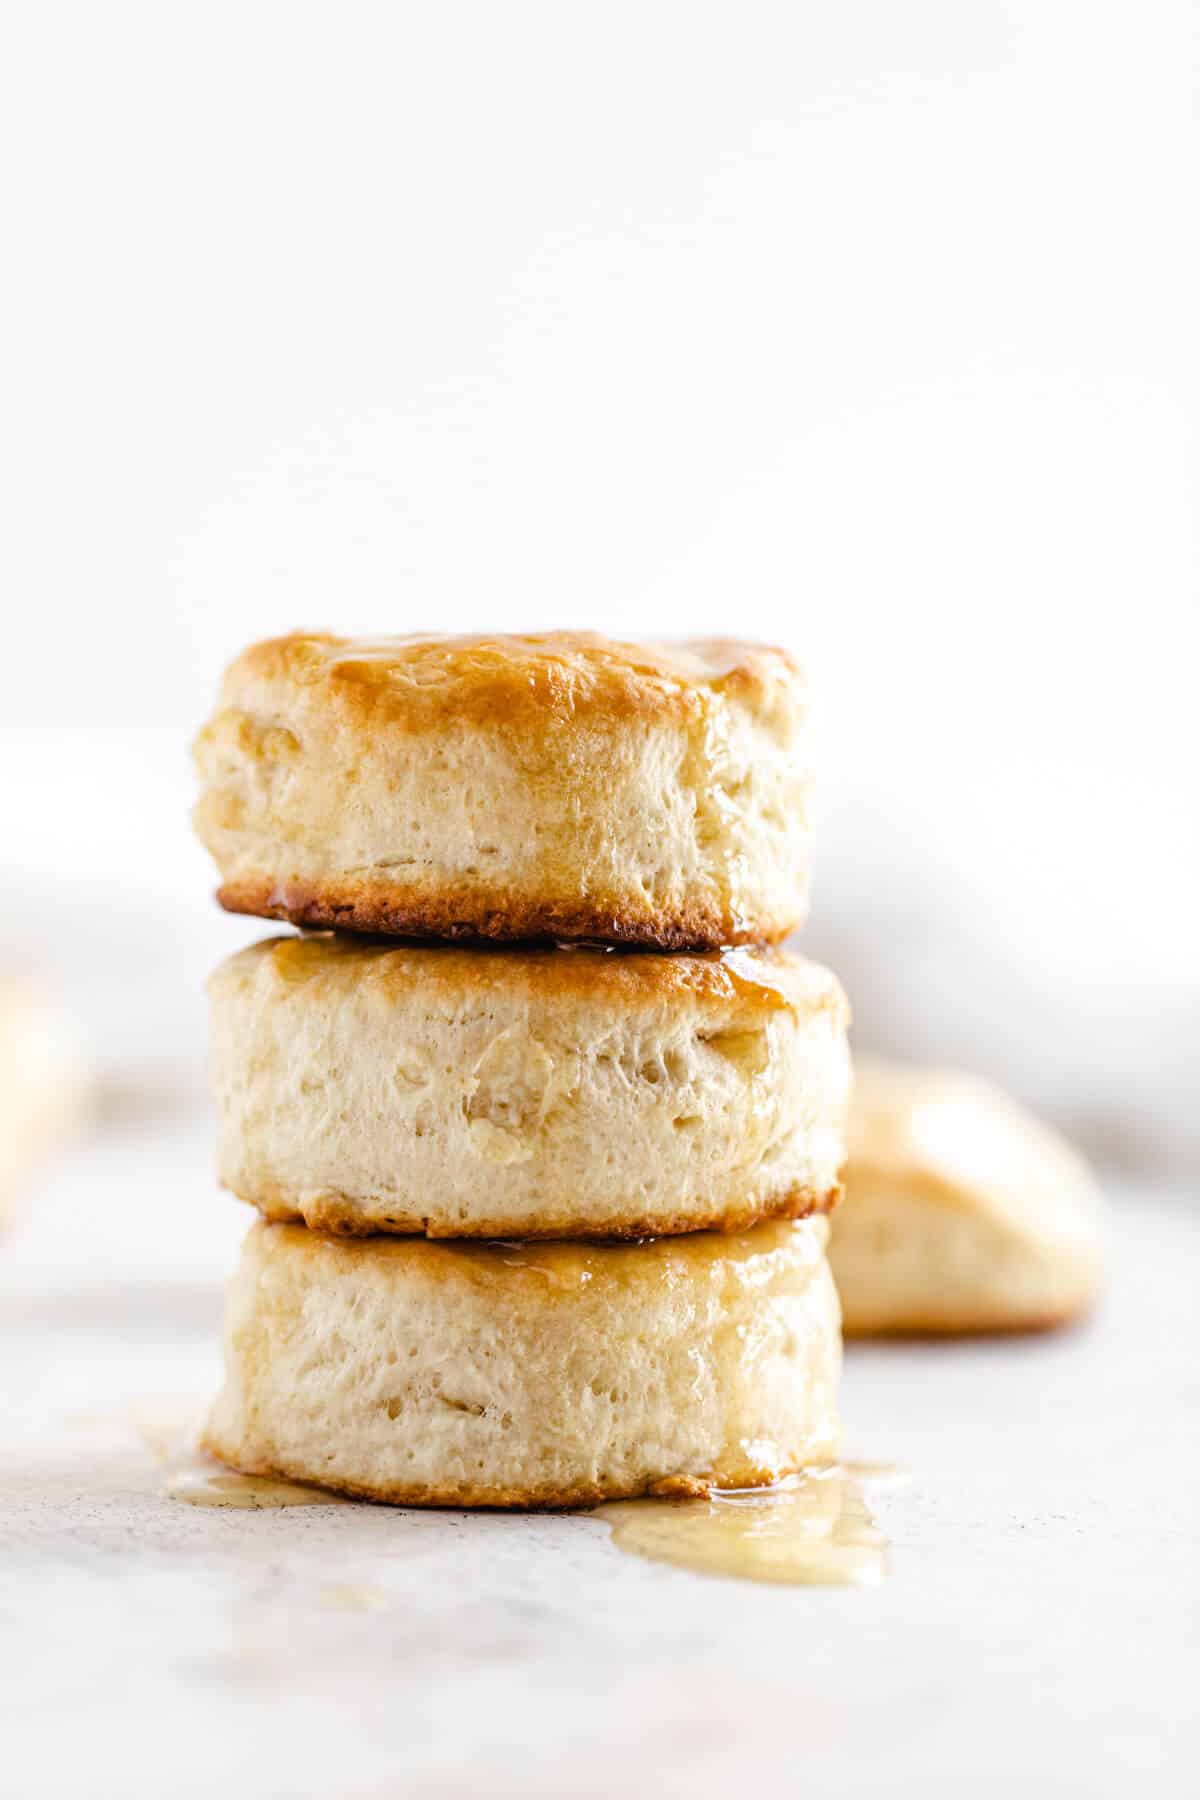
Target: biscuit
(962, 1213)
(42, 1082)
(562, 786)
(363, 1086)
(543, 1375)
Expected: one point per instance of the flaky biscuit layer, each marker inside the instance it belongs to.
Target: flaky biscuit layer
(562, 786)
(370, 1086)
(514, 1375)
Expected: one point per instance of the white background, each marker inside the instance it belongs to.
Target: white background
(867, 327)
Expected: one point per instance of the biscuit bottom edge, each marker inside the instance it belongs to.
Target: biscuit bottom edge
(456, 1496)
(918, 1325)
(344, 1217)
(455, 916)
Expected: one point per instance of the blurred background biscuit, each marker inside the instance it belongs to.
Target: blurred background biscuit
(962, 1212)
(43, 1082)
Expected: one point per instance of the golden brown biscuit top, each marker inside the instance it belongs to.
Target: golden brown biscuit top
(422, 680)
(970, 1145)
(772, 1255)
(928, 1120)
(761, 980)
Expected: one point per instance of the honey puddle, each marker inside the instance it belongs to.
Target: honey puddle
(813, 1529)
(354, 1598)
(200, 1486)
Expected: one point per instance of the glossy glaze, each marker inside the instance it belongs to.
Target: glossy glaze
(812, 1530)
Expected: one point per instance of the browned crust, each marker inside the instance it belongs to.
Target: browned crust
(502, 1499)
(419, 682)
(752, 979)
(340, 1216)
(392, 911)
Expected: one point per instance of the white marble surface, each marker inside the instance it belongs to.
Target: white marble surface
(1038, 1632)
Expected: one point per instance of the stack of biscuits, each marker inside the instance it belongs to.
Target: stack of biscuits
(541, 1127)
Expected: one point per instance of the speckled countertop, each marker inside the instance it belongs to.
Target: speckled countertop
(1039, 1631)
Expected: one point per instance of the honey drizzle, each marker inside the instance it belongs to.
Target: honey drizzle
(200, 1486)
(811, 1530)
